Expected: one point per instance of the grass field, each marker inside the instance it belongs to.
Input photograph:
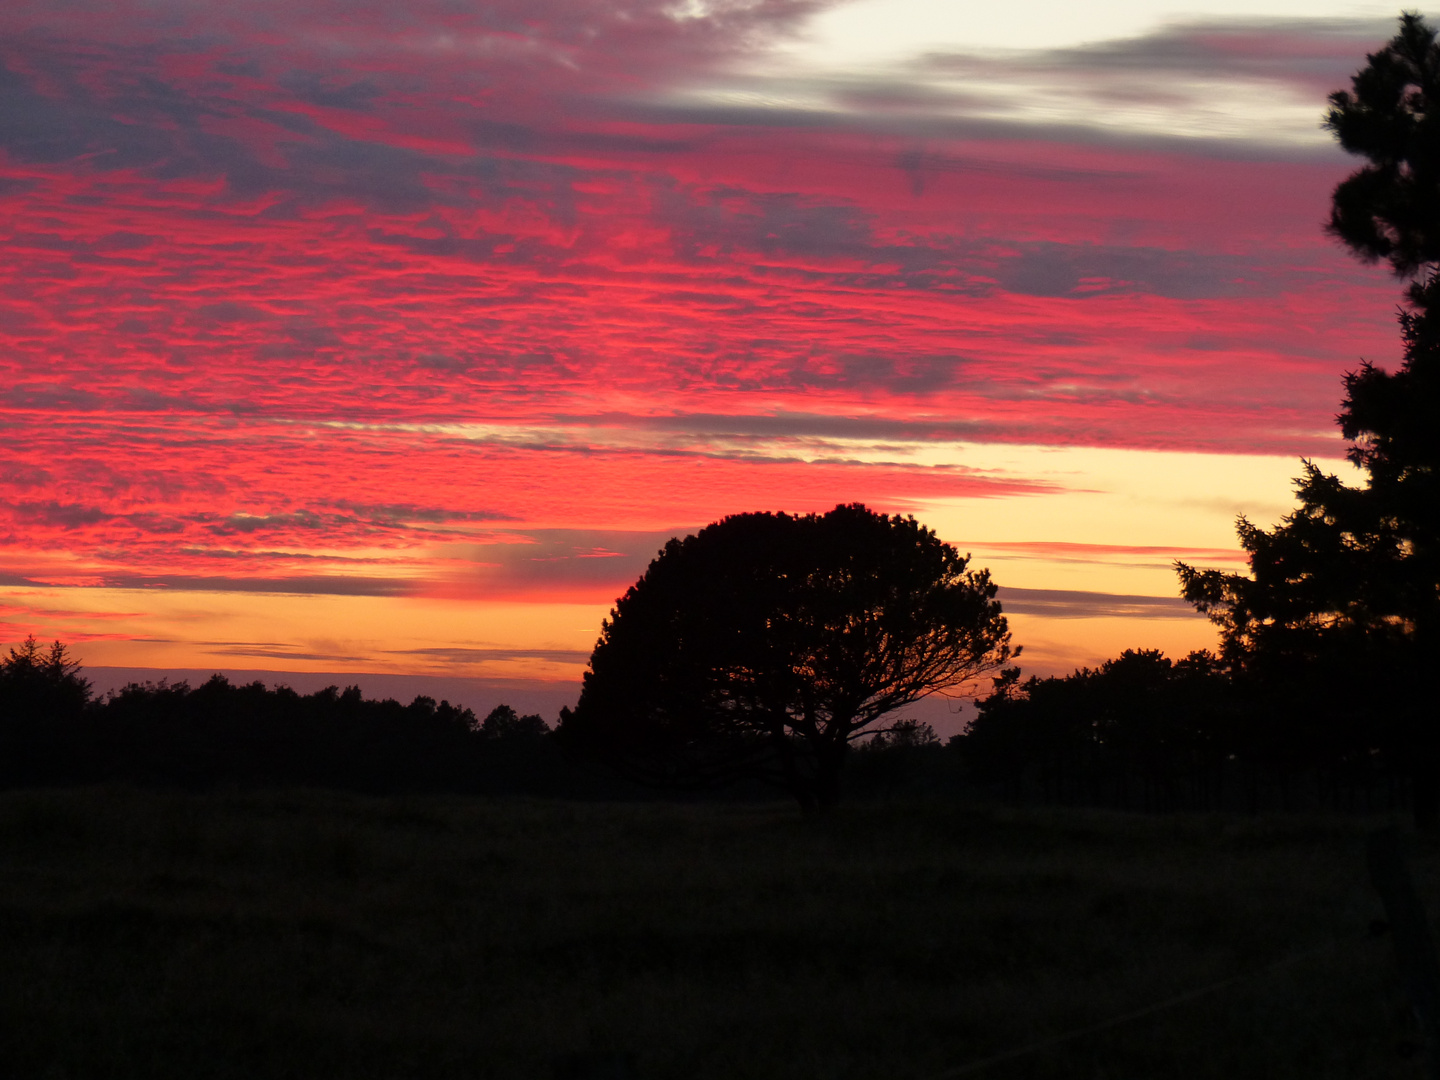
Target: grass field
(301, 935)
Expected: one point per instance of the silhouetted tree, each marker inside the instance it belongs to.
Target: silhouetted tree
(1339, 618)
(907, 734)
(42, 700)
(172, 734)
(504, 724)
(41, 684)
(900, 756)
(1390, 209)
(1139, 721)
(764, 644)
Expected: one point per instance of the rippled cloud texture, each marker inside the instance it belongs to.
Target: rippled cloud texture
(399, 336)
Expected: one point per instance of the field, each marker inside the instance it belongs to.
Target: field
(304, 935)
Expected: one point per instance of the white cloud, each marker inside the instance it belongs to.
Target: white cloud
(871, 31)
(1260, 78)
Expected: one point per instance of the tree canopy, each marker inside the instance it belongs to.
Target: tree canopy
(765, 644)
(1140, 718)
(1390, 209)
(41, 683)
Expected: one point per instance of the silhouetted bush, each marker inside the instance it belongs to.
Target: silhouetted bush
(1139, 721)
(1148, 733)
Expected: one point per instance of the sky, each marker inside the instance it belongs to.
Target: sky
(363, 341)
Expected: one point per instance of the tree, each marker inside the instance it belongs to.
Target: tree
(766, 643)
(1390, 209)
(41, 684)
(1339, 618)
(43, 701)
(1139, 717)
(503, 724)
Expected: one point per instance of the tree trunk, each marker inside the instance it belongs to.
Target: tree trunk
(799, 784)
(829, 761)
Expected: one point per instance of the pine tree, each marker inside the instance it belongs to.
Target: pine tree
(1338, 621)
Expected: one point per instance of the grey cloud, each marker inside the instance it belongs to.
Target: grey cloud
(443, 362)
(566, 557)
(148, 125)
(232, 311)
(538, 139)
(310, 333)
(1050, 269)
(776, 225)
(731, 219)
(51, 397)
(385, 177)
(257, 555)
(403, 513)
(141, 124)
(502, 135)
(245, 69)
(342, 514)
(250, 523)
(116, 107)
(781, 424)
(1067, 604)
(909, 374)
(64, 515)
(481, 249)
(1311, 51)
(26, 476)
(145, 399)
(19, 580)
(917, 127)
(272, 652)
(358, 96)
(461, 655)
(306, 585)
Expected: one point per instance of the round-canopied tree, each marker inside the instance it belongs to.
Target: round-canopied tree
(765, 644)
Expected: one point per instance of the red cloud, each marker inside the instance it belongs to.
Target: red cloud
(269, 271)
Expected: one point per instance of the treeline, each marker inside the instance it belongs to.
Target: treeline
(1141, 732)
(54, 731)
(1146, 732)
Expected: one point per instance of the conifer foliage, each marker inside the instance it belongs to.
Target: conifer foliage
(41, 683)
(1339, 618)
(1390, 209)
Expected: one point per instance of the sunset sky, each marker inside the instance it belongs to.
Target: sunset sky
(375, 340)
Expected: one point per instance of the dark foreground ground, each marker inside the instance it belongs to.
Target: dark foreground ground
(313, 935)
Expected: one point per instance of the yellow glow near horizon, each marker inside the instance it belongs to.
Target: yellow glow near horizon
(163, 628)
(1180, 503)
(1114, 525)
(1059, 646)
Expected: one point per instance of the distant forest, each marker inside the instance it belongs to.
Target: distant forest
(54, 731)
(1141, 732)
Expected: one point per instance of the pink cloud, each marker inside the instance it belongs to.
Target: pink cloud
(271, 266)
